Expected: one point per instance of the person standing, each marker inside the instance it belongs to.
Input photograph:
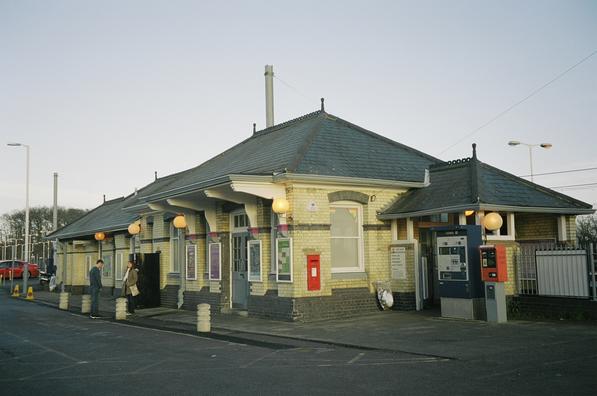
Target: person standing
(95, 285)
(129, 283)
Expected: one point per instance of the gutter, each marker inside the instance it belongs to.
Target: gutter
(341, 180)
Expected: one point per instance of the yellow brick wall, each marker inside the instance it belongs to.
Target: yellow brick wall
(311, 206)
(535, 226)
(571, 228)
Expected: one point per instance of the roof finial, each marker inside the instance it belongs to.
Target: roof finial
(155, 175)
(474, 150)
(322, 104)
(254, 127)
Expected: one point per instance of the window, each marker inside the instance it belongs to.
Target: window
(119, 267)
(240, 220)
(107, 265)
(507, 230)
(174, 249)
(346, 237)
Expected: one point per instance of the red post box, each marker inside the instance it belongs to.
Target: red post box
(313, 272)
(494, 264)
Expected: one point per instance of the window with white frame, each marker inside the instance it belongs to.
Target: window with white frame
(507, 230)
(346, 237)
(174, 249)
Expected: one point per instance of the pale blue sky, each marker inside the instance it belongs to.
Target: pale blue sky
(107, 92)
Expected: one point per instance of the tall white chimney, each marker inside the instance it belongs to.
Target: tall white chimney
(269, 96)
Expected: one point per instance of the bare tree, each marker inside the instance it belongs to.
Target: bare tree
(586, 229)
(12, 226)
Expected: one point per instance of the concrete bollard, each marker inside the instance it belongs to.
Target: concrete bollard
(85, 304)
(63, 302)
(203, 318)
(121, 308)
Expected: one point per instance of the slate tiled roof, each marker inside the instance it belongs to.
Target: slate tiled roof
(315, 144)
(109, 216)
(472, 184)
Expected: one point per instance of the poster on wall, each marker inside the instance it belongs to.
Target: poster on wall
(191, 262)
(254, 249)
(215, 261)
(398, 262)
(284, 259)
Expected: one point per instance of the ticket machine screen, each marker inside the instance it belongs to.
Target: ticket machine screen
(452, 258)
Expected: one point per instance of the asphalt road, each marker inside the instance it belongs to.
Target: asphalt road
(44, 351)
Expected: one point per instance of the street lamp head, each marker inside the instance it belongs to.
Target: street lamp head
(513, 143)
(546, 145)
(14, 144)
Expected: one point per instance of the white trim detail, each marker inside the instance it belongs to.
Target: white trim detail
(562, 231)
(410, 229)
(118, 266)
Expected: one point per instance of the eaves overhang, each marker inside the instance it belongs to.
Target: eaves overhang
(194, 187)
(486, 207)
(83, 233)
(352, 181)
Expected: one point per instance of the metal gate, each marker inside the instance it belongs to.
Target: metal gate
(550, 269)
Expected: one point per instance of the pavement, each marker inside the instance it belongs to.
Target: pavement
(417, 333)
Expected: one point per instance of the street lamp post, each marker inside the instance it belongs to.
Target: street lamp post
(530, 147)
(26, 266)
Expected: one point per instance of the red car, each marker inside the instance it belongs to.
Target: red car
(7, 265)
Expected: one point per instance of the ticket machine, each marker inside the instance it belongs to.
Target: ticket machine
(494, 272)
(458, 271)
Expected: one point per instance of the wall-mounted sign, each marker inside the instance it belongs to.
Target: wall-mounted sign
(215, 261)
(254, 252)
(191, 262)
(284, 259)
(398, 262)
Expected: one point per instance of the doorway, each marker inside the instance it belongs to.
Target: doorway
(240, 284)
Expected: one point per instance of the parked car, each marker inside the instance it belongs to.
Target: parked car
(6, 266)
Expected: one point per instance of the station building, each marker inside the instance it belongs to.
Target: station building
(300, 221)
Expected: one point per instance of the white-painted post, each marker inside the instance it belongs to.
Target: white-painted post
(461, 219)
(562, 234)
(394, 229)
(410, 229)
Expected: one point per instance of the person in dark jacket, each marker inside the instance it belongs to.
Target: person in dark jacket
(129, 280)
(95, 285)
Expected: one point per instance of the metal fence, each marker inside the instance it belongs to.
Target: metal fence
(552, 269)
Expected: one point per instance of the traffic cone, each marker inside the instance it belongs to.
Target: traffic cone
(29, 293)
(16, 291)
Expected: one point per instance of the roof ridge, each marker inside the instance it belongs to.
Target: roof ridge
(286, 123)
(254, 135)
(383, 138)
(113, 200)
(538, 187)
